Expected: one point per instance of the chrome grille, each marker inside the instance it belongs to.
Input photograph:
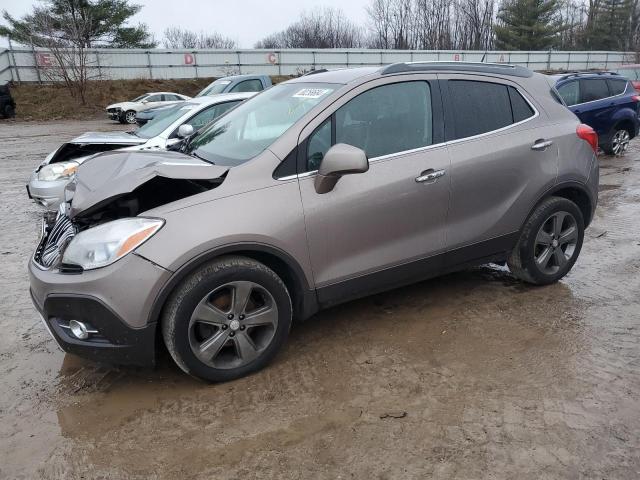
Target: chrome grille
(54, 240)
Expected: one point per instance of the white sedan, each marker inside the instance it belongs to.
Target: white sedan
(125, 112)
(47, 182)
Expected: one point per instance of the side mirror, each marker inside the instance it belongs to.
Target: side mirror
(145, 101)
(341, 159)
(185, 130)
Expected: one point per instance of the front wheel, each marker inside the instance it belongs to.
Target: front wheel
(550, 242)
(129, 117)
(227, 319)
(618, 144)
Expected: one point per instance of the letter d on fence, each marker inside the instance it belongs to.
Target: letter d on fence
(188, 59)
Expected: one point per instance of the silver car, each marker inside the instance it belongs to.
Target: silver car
(319, 190)
(47, 182)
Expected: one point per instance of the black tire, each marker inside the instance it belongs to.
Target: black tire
(128, 117)
(177, 315)
(609, 147)
(9, 111)
(522, 260)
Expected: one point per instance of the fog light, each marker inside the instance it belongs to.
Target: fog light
(79, 329)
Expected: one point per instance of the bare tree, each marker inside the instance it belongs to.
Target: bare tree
(66, 50)
(177, 37)
(320, 28)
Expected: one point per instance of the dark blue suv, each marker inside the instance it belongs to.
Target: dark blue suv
(605, 101)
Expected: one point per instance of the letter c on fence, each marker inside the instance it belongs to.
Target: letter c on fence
(272, 58)
(188, 59)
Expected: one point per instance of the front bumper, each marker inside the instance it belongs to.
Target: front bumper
(47, 194)
(115, 300)
(114, 114)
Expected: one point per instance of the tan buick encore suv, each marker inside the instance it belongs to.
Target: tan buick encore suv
(319, 190)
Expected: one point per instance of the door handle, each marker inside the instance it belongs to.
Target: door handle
(541, 144)
(430, 175)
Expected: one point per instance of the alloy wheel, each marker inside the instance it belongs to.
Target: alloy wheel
(620, 142)
(233, 325)
(556, 242)
(130, 117)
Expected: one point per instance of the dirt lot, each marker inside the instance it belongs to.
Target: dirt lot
(54, 102)
(472, 376)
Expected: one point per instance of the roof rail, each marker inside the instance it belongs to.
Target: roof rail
(313, 72)
(576, 74)
(497, 68)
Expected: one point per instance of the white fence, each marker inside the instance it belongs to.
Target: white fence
(27, 65)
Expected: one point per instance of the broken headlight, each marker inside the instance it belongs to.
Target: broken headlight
(102, 245)
(56, 171)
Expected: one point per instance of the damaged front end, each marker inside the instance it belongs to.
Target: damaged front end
(117, 186)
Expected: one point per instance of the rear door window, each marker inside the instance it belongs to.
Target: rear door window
(479, 107)
(593, 89)
(617, 86)
(570, 93)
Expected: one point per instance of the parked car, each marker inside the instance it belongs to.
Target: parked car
(630, 72)
(237, 83)
(233, 84)
(47, 183)
(7, 104)
(606, 102)
(322, 189)
(125, 112)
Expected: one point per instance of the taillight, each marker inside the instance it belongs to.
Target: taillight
(589, 135)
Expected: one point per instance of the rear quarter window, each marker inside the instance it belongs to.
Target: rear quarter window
(519, 106)
(617, 86)
(570, 92)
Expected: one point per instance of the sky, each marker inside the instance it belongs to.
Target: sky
(245, 21)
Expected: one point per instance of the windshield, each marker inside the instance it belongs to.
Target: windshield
(216, 87)
(163, 120)
(137, 99)
(256, 123)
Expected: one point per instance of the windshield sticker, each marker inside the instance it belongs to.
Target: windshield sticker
(311, 93)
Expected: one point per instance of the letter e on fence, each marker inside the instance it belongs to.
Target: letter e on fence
(188, 59)
(43, 59)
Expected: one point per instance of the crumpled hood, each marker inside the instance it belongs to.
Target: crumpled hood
(121, 138)
(123, 105)
(116, 173)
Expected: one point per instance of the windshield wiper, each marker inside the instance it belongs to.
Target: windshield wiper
(194, 154)
(133, 132)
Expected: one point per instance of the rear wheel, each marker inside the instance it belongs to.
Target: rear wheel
(228, 319)
(618, 144)
(550, 242)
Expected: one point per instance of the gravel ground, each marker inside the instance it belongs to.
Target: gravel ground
(470, 376)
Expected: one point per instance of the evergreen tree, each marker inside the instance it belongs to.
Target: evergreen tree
(527, 25)
(608, 25)
(103, 24)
